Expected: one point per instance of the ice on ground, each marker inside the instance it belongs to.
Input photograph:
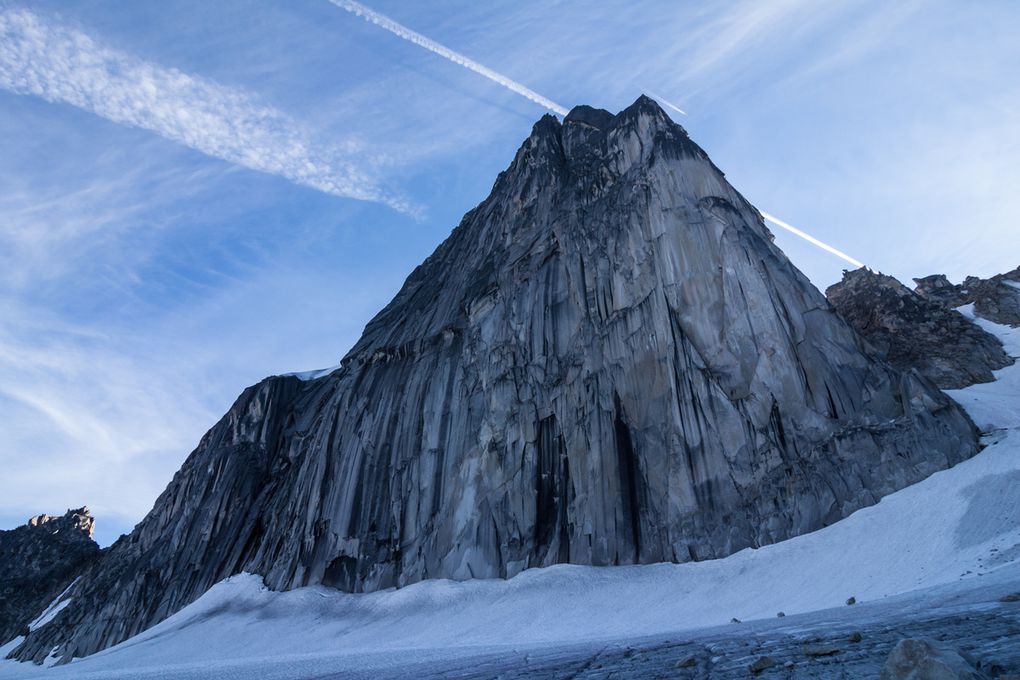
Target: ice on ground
(958, 528)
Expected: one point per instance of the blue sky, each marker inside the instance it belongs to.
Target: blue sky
(195, 195)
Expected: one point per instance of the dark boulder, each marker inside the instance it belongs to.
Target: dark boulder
(914, 659)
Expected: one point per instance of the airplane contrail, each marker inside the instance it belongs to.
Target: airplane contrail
(667, 102)
(406, 33)
(810, 239)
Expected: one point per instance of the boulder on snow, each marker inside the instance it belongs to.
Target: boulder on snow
(915, 659)
(688, 661)
(760, 664)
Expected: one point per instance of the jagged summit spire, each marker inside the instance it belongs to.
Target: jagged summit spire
(588, 115)
(603, 119)
(595, 142)
(644, 105)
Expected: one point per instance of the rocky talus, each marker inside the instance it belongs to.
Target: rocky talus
(996, 298)
(915, 331)
(38, 561)
(607, 362)
(970, 637)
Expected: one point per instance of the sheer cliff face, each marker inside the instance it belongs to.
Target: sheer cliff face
(607, 362)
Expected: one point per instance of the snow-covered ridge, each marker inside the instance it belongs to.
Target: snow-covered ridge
(956, 526)
(311, 375)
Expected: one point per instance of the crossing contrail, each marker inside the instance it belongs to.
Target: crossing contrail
(811, 239)
(406, 33)
(667, 102)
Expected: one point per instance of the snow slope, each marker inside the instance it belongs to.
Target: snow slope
(957, 526)
(996, 404)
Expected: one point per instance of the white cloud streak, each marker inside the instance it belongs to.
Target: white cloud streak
(811, 239)
(667, 102)
(86, 422)
(64, 65)
(407, 34)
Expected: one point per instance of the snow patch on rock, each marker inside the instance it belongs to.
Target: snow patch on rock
(312, 375)
(53, 608)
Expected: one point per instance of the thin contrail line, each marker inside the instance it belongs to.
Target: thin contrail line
(811, 239)
(666, 102)
(406, 33)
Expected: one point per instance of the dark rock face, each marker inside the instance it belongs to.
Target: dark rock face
(37, 562)
(937, 288)
(607, 362)
(996, 299)
(914, 331)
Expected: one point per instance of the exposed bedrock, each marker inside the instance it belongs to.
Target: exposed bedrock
(38, 561)
(996, 298)
(911, 330)
(607, 362)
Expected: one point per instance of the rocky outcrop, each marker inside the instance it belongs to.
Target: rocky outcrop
(607, 362)
(937, 288)
(914, 331)
(38, 561)
(996, 299)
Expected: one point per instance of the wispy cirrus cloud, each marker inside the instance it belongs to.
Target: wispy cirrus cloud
(60, 63)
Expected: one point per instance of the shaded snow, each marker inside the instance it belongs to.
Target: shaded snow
(53, 608)
(995, 404)
(48, 615)
(948, 531)
(312, 375)
(7, 648)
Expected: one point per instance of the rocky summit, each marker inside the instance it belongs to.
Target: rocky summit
(918, 331)
(607, 362)
(38, 561)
